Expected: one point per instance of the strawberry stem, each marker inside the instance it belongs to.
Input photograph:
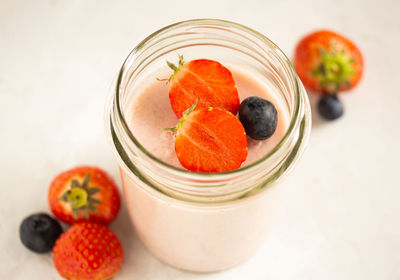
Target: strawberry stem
(163, 80)
(172, 66)
(80, 197)
(191, 109)
(186, 113)
(169, 129)
(77, 197)
(334, 70)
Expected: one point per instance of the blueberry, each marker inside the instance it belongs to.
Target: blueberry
(39, 232)
(259, 117)
(330, 107)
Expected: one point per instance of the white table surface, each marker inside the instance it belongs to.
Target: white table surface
(340, 218)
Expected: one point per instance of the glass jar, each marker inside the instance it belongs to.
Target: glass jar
(200, 221)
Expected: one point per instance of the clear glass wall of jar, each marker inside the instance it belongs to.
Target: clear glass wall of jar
(196, 221)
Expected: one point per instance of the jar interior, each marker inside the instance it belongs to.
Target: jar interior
(232, 48)
(232, 45)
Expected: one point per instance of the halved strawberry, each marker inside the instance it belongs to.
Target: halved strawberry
(210, 140)
(204, 80)
(84, 193)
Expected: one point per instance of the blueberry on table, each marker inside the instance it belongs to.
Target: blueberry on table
(330, 107)
(258, 117)
(39, 232)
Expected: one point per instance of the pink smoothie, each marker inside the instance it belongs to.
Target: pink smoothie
(151, 110)
(192, 236)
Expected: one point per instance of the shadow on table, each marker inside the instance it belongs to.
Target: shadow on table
(317, 121)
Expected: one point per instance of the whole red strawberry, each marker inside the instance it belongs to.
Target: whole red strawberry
(210, 140)
(327, 62)
(204, 80)
(84, 193)
(88, 251)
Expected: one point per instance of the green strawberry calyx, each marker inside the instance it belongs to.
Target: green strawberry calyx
(335, 70)
(174, 68)
(185, 115)
(80, 197)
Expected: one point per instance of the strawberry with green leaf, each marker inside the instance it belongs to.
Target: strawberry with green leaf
(328, 63)
(204, 80)
(84, 193)
(209, 140)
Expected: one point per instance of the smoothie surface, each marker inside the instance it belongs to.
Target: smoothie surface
(151, 111)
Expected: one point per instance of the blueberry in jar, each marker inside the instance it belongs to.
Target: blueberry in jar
(259, 117)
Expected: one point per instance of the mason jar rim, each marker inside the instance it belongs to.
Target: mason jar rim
(224, 23)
